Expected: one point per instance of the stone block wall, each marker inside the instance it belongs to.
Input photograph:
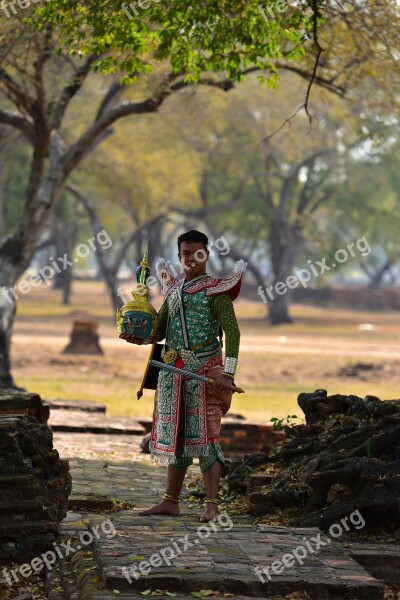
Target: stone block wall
(34, 488)
(238, 436)
(241, 437)
(17, 402)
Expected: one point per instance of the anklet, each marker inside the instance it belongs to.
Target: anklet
(210, 501)
(169, 497)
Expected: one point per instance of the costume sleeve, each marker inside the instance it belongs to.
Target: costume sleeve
(223, 311)
(160, 323)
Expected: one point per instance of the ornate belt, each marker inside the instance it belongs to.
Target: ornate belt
(188, 356)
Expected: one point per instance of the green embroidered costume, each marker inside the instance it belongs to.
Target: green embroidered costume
(187, 413)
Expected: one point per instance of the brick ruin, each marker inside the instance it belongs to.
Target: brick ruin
(34, 482)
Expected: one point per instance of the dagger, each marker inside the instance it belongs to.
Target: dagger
(160, 365)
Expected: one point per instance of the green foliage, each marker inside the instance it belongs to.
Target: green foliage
(245, 470)
(195, 37)
(160, 162)
(279, 424)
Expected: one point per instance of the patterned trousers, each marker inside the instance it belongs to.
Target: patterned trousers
(218, 404)
(206, 461)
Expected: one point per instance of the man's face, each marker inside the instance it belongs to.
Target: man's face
(193, 257)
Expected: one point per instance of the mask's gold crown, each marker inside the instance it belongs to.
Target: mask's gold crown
(140, 293)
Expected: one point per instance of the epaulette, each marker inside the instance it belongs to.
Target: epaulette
(213, 285)
(167, 281)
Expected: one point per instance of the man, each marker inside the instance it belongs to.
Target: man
(187, 412)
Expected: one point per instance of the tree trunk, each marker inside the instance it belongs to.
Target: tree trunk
(111, 282)
(278, 309)
(376, 279)
(155, 237)
(16, 253)
(286, 241)
(65, 236)
(66, 287)
(7, 314)
(2, 183)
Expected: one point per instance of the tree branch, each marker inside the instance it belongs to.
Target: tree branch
(309, 160)
(226, 85)
(18, 121)
(81, 146)
(126, 239)
(113, 92)
(320, 201)
(235, 255)
(15, 92)
(150, 105)
(323, 82)
(134, 234)
(70, 91)
(44, 55)
(317, 58)
(207, 210)
(2, 186)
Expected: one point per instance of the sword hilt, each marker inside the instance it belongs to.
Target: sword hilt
(231, 387)
(184, 373)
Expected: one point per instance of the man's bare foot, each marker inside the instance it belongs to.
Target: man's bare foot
(210, 513)
(166, 507)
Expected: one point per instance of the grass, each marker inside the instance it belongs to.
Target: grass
(120, 399)
(275, 365)
(260, 403)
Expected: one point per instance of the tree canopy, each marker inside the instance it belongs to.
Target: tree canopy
(342, 46)
(54, 54)
(194, 37)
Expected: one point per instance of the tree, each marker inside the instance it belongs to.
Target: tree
(36, 103)
(368, 201)
(109, 265)
(270, 196)
(340, 46)
(284, 199)
(132, 187)
(179, 44)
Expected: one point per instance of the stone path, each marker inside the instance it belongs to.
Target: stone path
(77, 416)
(113, 561)
(92, 422)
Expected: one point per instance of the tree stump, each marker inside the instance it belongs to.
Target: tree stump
(84, 339)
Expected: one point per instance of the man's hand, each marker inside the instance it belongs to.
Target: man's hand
(222, 382)
(130, 337)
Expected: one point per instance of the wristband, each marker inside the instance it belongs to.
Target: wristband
(228, 375)
(230, 365)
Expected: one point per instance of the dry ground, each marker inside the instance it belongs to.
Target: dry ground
(276, 363)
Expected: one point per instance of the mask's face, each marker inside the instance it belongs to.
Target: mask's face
(138, 323)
